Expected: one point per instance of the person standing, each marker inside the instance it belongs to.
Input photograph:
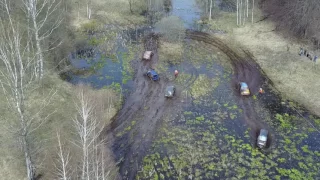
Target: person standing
(176, 73)
(301, 51)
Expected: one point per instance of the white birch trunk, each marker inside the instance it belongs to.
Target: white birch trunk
(237, 12)
(244, 12)
(247, 8)
(210, 10)
(240, 12)
(252, 11)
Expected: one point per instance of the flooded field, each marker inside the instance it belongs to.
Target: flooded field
(207, 131)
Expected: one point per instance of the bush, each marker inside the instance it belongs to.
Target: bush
(172, 28)
(90, 27)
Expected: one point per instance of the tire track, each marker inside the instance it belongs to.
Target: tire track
(141, 113)
(245, 69)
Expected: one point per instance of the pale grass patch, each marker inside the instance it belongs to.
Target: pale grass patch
(108, 12)
(295, 77)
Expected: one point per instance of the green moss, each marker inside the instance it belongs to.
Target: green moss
(254, 97)
(232, 116)
(213, 148)
(305, 149)
(128, 128)
(187, 113)
(200, 118)
(133, 123)
(281, 160)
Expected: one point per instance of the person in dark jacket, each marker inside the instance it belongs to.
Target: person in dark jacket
(301, 51)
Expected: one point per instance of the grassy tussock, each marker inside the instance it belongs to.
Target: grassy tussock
(171, 52)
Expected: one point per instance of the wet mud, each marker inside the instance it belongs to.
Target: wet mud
(245, 69)
(146, 104)
(134, 125)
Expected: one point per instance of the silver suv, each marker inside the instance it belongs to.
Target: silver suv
(170, 91)
(262, 138)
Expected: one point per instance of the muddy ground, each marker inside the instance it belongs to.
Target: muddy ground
(135, 125)
(145, 106)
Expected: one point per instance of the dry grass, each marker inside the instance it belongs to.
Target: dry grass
(224, 22)
(12, 164)
(295, 77)
(108, 12)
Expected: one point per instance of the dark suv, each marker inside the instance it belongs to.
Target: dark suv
(153, 75)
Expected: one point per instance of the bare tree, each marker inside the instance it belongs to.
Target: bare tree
(252, 11)
(88, 129)
(62, 166)
(90, 151)
(89, 3)
(210, 10)
(16, 80)
(247, 3)
(130, 5)
(237, 12)
(40, 12)
(299, 17)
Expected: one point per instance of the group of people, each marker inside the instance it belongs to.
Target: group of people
(308, 54)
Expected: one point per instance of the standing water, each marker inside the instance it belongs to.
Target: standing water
(211, 137)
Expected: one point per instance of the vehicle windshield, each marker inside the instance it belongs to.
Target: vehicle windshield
(262, 138)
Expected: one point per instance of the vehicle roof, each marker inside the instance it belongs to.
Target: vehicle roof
(170, 88)
(153, 72)
(263, 132)
(243, 84)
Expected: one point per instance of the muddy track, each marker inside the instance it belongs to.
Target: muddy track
(244, 69)
(134, 126)
(138, 119)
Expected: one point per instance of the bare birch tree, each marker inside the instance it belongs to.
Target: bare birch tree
(16, 80)
(39, 12)
(243, 11)
(90, 152)
(237, 12)
(247, 8)
(89, 9)
(210, 10)
(62, 166)
(130, 5)
(88, 129)
(296, 16)
(252, 11)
